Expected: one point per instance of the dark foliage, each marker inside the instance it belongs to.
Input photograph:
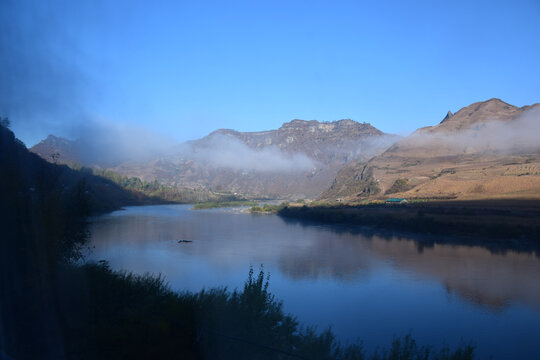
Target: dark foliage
(430, 219)
(4, 122)
(43, 210)
(138, 317)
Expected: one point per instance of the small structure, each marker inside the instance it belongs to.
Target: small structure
(396, 201)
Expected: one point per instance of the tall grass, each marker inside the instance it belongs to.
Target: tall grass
(140, 317)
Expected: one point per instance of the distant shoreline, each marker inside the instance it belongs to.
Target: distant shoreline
(223, 204)
(489, 219)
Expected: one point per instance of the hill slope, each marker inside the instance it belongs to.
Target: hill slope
(487, 149)
(22, 169)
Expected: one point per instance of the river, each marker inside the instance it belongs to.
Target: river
(367, 286)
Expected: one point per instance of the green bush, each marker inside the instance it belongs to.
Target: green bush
(268, 208)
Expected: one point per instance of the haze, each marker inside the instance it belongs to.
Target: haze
(494, 135)
(186, 69)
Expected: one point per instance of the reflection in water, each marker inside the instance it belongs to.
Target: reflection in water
(475, 273)
(487, 275)
(353, 279)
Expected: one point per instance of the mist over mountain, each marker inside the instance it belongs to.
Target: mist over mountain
(299, 159)
(104, 145)
(487, 149)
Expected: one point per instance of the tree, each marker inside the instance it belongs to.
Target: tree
(55, 156)
(5, 122)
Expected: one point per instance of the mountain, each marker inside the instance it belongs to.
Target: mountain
(487, 149)
(57, 149)
(29, 176)
(323, 142)
(298, 160)
(93, 151)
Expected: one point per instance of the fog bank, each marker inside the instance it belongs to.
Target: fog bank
(520, 135)
(231, 153)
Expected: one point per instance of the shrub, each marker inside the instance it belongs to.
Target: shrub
(400, 185)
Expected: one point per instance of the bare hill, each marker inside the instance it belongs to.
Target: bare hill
(485, 150)
(57, 149)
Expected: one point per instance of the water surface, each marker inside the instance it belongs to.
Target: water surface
(366, 286)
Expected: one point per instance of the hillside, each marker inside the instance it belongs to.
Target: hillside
(57, 149)
(25, 170)
(298, 160)
(486, 150)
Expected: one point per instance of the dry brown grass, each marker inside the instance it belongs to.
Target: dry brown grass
(465, 178)
(495, 187)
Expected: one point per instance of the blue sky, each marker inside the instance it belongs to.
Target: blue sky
(187, 68)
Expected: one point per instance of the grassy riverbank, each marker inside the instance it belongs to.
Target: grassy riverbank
(497, 219)
(139, 317)
(223, 204)
(267, 208)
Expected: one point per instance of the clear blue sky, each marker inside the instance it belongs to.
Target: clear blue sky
(187, 68)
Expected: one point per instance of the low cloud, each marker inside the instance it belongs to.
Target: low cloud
(231, 153)
(109, 144)
(375, 145)
(362, 149)
(515, 136)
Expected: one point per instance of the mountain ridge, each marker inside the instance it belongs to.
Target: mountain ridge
(306, 155)
(486, 149)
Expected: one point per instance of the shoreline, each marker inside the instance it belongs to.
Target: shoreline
(507, 220)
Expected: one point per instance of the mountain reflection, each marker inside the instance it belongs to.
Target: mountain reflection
(492, 276)
(145, 240)
(473, 272)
